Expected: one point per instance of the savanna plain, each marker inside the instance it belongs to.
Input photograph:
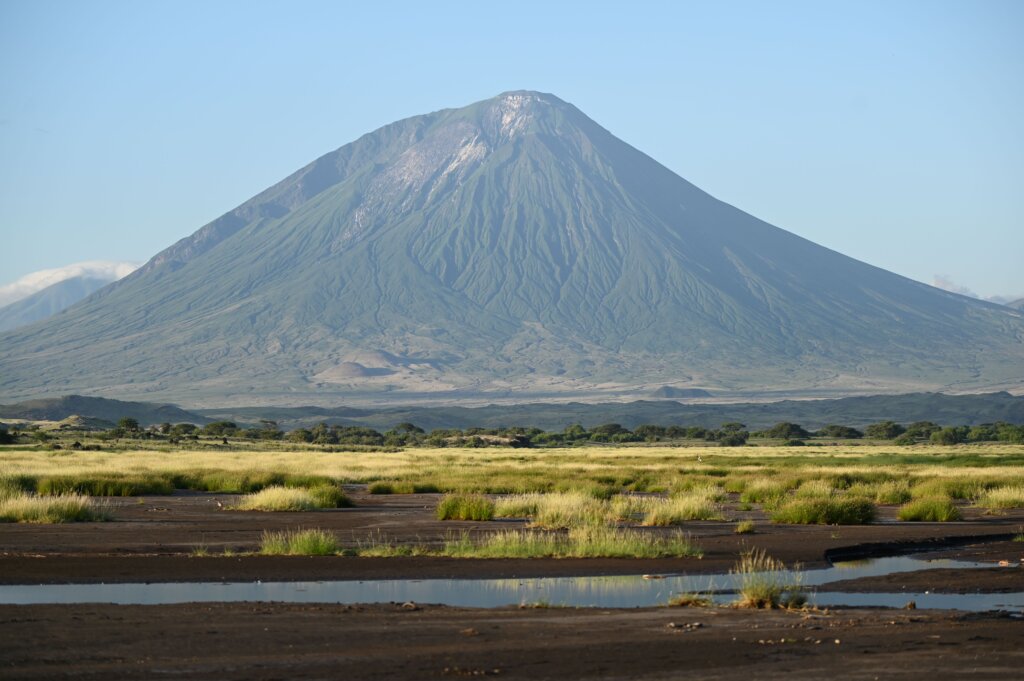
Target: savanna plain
(234, 511)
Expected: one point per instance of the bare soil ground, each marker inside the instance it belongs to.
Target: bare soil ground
(153, 539)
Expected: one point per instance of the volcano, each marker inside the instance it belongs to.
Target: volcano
(512, 247)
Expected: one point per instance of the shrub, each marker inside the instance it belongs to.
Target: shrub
(840, 432)
(826, 511)
(465, 507)
(937, 509)
(886, 430)
(786, 431)
(950, 435)
(299, 543)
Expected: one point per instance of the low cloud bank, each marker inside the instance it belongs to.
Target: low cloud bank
(37, 281)
(947, 284)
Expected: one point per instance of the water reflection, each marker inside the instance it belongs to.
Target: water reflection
(607, 592)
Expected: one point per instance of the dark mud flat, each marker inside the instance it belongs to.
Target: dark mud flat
(939, 580)
(278, 641)
(152, 541)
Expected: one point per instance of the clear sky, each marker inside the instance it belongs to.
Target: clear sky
(890, 131)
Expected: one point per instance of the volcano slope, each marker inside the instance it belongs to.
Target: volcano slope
(511, 247)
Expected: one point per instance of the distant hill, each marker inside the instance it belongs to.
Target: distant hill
(48, 302)
(512, 247)
(77, 422)
(1017, 304)
(92, 408)
(852, 411)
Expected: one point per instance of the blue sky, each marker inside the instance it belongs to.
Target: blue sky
(889, 131)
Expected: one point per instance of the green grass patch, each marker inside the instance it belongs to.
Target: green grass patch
(952, 488)
(315, 542)
(825, 511)
(696, 505)
(104, 486)
(465, 507)
(517, 505)
(560, 510)
(761, 491)
(889, 492)
(402, 487)
(815, 489)
(936, 510)
(579, 542)
(1008, 496)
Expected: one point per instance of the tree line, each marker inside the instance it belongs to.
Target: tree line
(408, 434)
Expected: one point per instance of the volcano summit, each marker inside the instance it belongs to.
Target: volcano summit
(511, 247)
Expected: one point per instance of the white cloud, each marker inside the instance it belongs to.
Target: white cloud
(37, 281)
(947, 284)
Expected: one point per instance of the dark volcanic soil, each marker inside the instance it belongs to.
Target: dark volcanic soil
(277, 641)
(153, 540)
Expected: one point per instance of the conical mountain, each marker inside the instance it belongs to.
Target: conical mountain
(511, 246)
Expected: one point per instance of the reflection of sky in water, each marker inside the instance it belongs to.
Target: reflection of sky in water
(608, 592)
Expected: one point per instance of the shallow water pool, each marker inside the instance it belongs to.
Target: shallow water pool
(607, 592)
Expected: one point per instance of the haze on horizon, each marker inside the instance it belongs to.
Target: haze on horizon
(890, 134)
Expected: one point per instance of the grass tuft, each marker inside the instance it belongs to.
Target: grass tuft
(763, 490)
(561, 510)
(294, 499)
(935, 510)
(699, 504)
(299, 543)
(825, 511)
(763, 582)
(691, 600)
(465, 507)
(402, 487)
(580, 542)
(63, 508)
(104, 486)
(745, 527)
(1009, 496)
